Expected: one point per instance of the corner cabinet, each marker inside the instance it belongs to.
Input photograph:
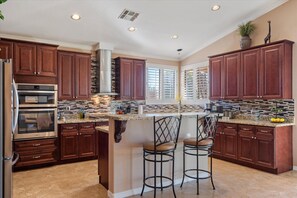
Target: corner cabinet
(74, 76)
(130, 78)
(263, 72)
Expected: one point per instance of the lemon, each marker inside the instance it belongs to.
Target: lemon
(272, 119)
(282, 119)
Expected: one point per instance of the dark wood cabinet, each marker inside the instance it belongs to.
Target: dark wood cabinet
(216, 68)
(231, 76)
(6, 49)
(265, 148)
(250, 62)
(226, 141)
(263, 71)
(35, 63)
(103, 158)
(77, 140)
(229, 136)
(36, 152)
(130, 79)
(74, 75)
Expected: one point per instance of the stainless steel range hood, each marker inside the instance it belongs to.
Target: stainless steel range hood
(104, 71)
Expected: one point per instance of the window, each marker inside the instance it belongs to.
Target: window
(195, 82)
(161, 84)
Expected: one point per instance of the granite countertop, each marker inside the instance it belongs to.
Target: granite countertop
(67, 121)
(256, 123)
(148, 116)
(104, 129)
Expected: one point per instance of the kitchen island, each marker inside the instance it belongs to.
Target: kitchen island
(121, 152)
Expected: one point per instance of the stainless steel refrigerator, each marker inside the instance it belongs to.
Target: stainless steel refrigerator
(8, 122)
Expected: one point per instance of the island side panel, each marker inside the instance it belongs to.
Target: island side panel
(126, 157)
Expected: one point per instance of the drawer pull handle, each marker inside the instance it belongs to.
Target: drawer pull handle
(264, 131)
(36, 144)
(228, 127)
(86, 127)
(36, 157)
(69, 127)
(245, 129)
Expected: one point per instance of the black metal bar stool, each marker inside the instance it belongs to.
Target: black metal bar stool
(161, 150)
(201, 145)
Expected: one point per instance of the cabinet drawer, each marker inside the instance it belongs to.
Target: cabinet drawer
(230, 126)
(31, 144)
(35, 159)
(264, 130)
(105, 123)
(86, 126)
(69, 127)
(39, 151)
(246, 128)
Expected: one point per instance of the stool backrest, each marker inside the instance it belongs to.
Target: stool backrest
(206, 127)
(166, 130)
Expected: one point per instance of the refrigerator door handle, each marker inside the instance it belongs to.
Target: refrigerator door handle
(17, 105)
(16, 158)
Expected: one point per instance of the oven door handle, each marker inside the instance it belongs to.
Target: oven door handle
(29, 91)
(17, 106)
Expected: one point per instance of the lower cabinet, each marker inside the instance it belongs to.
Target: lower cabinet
(77, 140)
(226, 141)
(36, 152)
(265, 148)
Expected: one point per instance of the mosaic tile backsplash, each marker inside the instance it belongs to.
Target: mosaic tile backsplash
(263, 109)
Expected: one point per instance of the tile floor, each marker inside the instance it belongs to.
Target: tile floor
(80, 180)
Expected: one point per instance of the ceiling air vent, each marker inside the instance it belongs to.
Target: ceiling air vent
(128, 15)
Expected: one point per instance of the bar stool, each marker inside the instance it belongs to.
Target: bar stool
(161, 150)
(203, 142)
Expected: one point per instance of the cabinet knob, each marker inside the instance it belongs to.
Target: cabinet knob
(34, 73)
(255, 138)
(38, 73)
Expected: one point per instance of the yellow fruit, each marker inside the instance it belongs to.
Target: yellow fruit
(277, 119)
(282, 119)
(272, 119)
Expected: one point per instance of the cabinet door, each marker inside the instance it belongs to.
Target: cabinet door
(139, 80)
(272, 64)
(6, 49)
(46, 61)
(264, 154)
(87, 143)
(250, 62)
(245, 144)
(126, 84)
(232, 76)
(230, 142)
(65, 75)
(217, 147)
(216, 77)
(24, 59)
(69, 145)
(82, 76)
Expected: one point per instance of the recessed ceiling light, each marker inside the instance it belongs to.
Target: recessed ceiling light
(75, 17)
(174, 36)
(132, 29)
(215, 7)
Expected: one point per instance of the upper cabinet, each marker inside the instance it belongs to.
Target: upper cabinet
(6, 48)
(34, 62)
(224, 78)
(74, 76)
(130, 79)
(259, 72)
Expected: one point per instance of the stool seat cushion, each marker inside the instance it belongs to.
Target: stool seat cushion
(193, 142)
(163, 147)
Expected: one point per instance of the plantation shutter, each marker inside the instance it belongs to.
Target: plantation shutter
(169, 83)
(153, 83)
(188, 92)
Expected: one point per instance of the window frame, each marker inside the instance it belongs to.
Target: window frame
(162, 100)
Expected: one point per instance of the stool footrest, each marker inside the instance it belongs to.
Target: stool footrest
(195, 170)
(158, 177)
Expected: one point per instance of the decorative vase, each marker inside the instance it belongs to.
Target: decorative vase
(245, 42)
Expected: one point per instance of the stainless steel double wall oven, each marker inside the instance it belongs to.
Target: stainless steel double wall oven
(37, 111)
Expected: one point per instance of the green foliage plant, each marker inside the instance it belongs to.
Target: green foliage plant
(1, 15)
(246, 29)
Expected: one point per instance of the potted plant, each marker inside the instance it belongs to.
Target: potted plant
(245, 30)
(1, 15)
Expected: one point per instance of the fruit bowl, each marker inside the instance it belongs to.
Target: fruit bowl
(277, 120)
